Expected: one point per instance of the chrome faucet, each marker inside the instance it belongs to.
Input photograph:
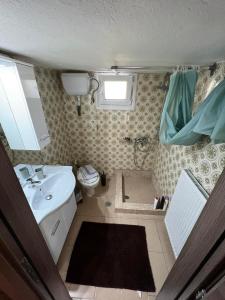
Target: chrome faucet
(31, 182)
(144, 140)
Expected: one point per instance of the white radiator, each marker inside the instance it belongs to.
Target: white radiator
(185, 207)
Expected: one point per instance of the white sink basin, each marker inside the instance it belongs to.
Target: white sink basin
(52, 192)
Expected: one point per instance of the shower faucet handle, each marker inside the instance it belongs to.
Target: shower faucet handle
(142, 140)
(128, 139)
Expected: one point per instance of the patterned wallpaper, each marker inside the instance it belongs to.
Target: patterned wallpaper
(205, 160)
(97, 136)
(5, 144)
(53, 98)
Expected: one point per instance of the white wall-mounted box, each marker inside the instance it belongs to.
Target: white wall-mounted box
(76, 84)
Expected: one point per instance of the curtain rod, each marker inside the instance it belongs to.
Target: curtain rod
(157, 68)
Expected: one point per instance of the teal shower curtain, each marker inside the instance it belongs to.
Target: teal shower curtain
(178, 126)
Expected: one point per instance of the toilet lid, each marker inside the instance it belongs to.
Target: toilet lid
(87, 174)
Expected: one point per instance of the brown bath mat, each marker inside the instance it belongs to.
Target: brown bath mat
(111, 255)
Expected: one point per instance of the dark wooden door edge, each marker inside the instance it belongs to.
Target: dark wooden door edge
(13, 283)
(217, 292)
(19, 216)
(203, 237)
(211, 268)
(12, 251)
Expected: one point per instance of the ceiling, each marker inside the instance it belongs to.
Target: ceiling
(95, 34)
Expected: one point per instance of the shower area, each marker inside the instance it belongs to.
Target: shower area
(136, 189)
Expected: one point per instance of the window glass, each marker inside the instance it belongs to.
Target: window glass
(116, 90)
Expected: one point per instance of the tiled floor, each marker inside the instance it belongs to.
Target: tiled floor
(95, 210)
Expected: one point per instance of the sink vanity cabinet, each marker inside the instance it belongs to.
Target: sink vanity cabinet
(52, 202)
(56, 226)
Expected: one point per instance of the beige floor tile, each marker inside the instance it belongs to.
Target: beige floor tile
(152, 236)
(129, 221)
(64, 259)
(169, 259)
(159, 268)
(150, 217)
(134, 295)
(127, 215)
(165, 242)
(151, 297)
(112, 220)
(109, 211)
(96, 207)
(109, 294)
(73, 232)
(91, 207)
(100, 219)
(81, 291)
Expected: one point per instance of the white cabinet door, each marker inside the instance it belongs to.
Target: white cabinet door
(69, 211)
(34, 104)
(21, 115)
(54, 231)
(56, 226)
(57, 238)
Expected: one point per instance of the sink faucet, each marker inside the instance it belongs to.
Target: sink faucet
(31, 181)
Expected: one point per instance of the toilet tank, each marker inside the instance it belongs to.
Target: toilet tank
(76, 84)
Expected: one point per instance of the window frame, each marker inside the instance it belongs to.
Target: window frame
(117, 104)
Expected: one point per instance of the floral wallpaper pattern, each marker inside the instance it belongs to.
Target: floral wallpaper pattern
(97, 136)
(205, 160)
(4, 141)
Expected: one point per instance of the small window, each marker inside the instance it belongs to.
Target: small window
(117, 91)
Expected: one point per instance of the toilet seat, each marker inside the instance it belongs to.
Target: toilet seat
(88, 176)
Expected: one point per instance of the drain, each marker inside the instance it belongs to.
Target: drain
(48, 197)
(108, 203)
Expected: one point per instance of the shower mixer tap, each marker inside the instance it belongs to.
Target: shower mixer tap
(142, 140)
(142, 145)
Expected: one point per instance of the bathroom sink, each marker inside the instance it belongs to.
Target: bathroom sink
(51, 192)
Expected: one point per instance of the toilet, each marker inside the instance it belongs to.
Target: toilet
(88, 178)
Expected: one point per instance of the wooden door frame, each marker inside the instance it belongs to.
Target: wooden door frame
(197, 250)
(16, 211)
(10, 248)
(213, 267)
(15, 282)
(12, 284)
